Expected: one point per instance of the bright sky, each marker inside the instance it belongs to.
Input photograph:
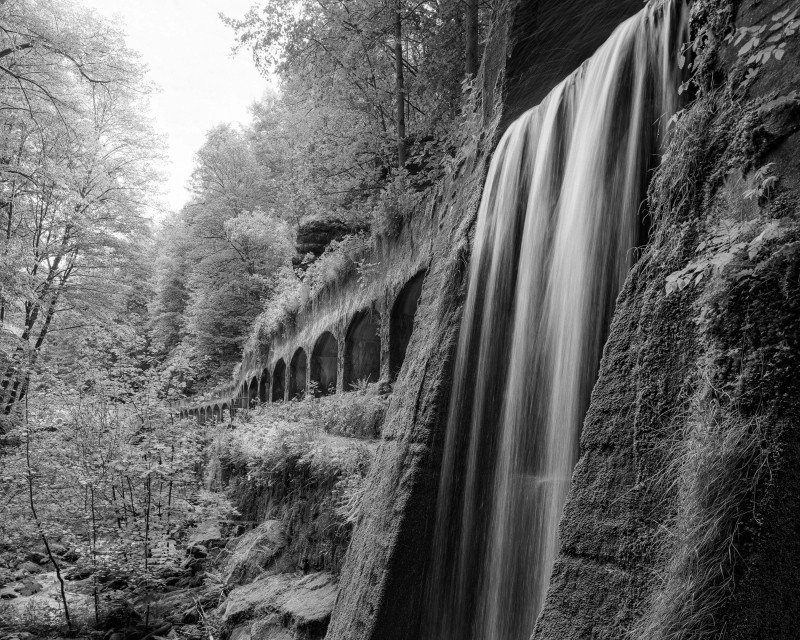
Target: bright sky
(188, 50)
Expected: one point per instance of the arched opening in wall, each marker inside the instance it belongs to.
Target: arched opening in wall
(217, 413)
(263, 386)
(362, 350)
(401, 323)
(201, 416)
(278, 380)
(252, 393)
(297, 374)
(225, 411)
(324, 364)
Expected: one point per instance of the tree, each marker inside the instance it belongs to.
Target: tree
(400, 107)
(221, 257)
(374, 79)
(74, 178)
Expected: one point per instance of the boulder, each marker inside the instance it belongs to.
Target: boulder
(29, 587)
(302, 603)
(70, 555)
(31, 567)
(258, 551)
(37, 557)
(262, 630)
(77, 573)
(207, 535)
(7, 593)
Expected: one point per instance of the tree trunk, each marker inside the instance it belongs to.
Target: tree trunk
(399, 85)
(471, 61)
(39, 527)
(471, 36)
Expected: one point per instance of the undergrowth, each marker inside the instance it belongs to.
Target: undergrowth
(282, 464)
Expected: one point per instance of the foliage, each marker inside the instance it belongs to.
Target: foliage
(759, 43)
(763, 183)
(114, 477)
(222, 258)
(75, 177)
(284, 466)
(296, 288)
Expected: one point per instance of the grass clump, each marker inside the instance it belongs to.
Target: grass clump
(717, 468)
(358, 414)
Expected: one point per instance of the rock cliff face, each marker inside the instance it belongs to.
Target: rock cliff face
(382, 584)
(682, 517)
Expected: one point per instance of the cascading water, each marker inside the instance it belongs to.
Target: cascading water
(560, 216)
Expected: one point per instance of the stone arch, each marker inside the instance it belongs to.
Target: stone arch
(201, 416)
(401, 322)
(263, 386)
(362, 350)
(279, 381)
(297, 373)
(252, 393)
(224, 411)
(216, 414)
(324, 363)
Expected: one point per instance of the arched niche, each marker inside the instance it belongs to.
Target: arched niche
(324, 363)
(401, 322)
(297, 374)
(263, 386)
(278, 381)
(217, 413)
(225, 411)
(252, 393)
(362, 350)
(201, 416)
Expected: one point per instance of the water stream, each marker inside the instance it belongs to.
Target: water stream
(562, 211)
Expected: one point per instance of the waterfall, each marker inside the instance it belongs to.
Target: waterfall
(561, 214)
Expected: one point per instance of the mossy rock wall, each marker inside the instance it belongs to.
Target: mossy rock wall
(305, 501)
(682, 520)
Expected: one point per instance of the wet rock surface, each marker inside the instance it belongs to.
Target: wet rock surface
(290, 606)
